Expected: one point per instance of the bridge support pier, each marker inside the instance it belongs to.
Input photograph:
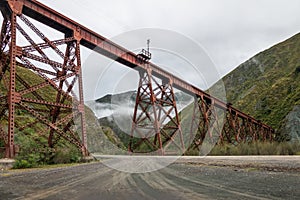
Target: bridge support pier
(206, 123)
(156, 123)
(227, 126)
(237, 129)
(52, 103)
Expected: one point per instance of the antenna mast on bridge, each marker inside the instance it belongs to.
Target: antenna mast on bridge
(145, 55)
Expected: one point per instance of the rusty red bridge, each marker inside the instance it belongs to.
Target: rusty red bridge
(155, 99)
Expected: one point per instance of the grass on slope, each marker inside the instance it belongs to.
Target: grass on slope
(267, 86)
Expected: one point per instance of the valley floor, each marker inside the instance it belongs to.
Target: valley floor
(251, 177)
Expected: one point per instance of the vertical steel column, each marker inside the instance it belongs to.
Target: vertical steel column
(146, 101)
(81, 108)
(12, 95)
(156, 122)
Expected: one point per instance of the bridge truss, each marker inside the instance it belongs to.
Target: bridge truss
(62, 77)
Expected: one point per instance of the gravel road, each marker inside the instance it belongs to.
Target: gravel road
(187, 178)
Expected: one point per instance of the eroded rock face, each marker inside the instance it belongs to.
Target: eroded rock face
(291, 126)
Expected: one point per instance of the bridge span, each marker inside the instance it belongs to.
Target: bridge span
(153, 97)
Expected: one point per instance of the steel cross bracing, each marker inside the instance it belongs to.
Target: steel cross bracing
(61, 77)
(50, 99)
(156, 122)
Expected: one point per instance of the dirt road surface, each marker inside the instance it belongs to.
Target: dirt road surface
(188, 178)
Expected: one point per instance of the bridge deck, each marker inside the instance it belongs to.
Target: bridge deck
(94, 41)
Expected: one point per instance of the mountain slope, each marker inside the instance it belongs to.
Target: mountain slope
(267, 87)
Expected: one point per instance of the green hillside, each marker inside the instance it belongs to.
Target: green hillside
(267, 87)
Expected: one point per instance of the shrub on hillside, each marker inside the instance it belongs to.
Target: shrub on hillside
(66, 155)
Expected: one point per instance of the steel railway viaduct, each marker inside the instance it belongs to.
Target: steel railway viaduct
(155, 101)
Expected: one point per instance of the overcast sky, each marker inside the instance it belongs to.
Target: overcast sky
(230, 31)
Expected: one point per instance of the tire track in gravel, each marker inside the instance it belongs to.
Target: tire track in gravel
(169, 177)
(66, 185)
(178, 188)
